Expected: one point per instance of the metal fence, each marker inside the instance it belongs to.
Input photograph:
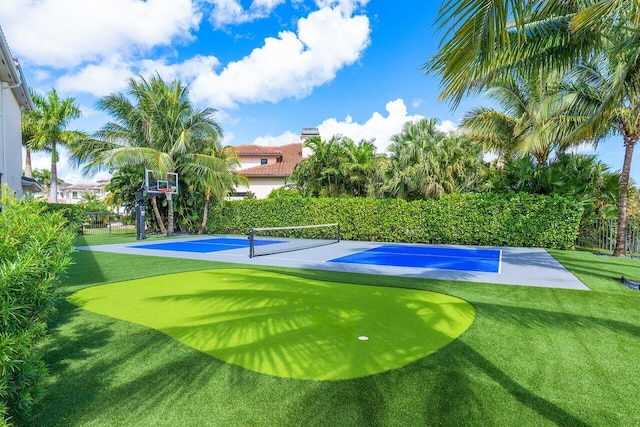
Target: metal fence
(104, 223)
(600, 234)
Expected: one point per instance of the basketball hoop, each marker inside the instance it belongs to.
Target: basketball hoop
(166, 190)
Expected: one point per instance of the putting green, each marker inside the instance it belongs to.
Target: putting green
(285, 325)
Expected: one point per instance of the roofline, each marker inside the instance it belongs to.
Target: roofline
(18, 83)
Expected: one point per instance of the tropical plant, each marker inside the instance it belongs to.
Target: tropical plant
(92, 202)
(426, 163)
(338, 166)
(34, 252)
(581, 177)
(361, 168)
(211, 169)
(47, 130)
(43, 177)
(156, 127)
(529, 120)
(484, 39)
(30, 120)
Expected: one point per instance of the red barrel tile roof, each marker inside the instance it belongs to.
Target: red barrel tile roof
(291, 156)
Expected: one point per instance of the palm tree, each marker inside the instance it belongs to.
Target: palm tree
(30, 120)
(485, 39)
(425, 162)
(211, 169)
(46, 129)
(43, 177)
(157, 127)
(528, 122)
(361, 167)
(320, 174)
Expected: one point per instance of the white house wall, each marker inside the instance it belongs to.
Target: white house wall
(10, 140)
(261, 187)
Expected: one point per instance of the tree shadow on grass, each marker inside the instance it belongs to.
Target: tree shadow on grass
(454, 396)
(91, 375)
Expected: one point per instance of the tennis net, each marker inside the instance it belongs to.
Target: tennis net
(275, 240)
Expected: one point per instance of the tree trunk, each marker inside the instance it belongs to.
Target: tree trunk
(205, 213)
(53, 185)
(629, 143)
(170, 214)
(159, 219)
(28, 170)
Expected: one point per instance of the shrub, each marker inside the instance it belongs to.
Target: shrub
(465, 219)
(74, 215)
(34, 251)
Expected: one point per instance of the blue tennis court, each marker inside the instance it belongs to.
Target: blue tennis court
(205, 245)
(440, 258)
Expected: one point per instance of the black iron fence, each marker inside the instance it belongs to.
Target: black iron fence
(600, 234)
(101, 223)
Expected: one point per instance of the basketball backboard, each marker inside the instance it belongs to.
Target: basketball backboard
(158, 183)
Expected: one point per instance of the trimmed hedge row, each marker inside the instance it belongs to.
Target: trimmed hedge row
(485, 219)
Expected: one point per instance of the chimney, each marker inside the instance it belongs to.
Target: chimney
(309, 133)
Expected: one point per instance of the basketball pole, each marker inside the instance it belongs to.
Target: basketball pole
(141, 220)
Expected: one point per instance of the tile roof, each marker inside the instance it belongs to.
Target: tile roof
(257, 150)
(291, 156)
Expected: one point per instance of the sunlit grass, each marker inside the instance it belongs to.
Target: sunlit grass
(533, 356)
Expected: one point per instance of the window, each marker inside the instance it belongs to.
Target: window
(74, 195)
(263, 161)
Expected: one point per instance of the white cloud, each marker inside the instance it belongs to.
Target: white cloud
(65, 33)
(347, 6)
(228, 12)
(40, 160)
(417, 102)
(377, 126)
(447, 126)
(100, 79)
(585, 147)
(287, 137)
(186, 71)
(291, 65)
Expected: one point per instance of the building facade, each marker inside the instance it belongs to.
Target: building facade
(14, 97)
(266, 168)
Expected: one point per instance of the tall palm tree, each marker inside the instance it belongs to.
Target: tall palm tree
(30, 120)
(155, 126)
(47, 129)
(212, 169)
(484, 39)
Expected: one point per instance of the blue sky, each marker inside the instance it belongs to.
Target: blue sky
(270, 67)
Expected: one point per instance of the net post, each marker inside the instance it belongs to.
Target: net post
(251, 245)
(338, 232)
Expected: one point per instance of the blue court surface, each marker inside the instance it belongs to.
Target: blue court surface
(501, 265)
(205, 245)
(459, 259)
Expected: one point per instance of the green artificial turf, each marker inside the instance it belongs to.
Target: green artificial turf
(532, 357)
(284, 325)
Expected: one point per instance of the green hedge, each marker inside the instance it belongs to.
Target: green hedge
(464, 219)
(74, 215)
(34, 251)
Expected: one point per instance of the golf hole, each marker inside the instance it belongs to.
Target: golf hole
(363, 338)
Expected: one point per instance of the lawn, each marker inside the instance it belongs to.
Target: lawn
(532, 356)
